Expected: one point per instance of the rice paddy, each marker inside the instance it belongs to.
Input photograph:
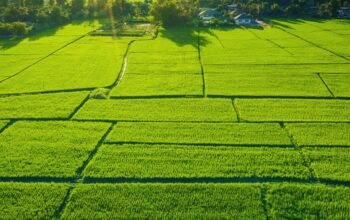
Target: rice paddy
(213, 123)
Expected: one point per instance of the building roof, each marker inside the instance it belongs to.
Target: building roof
(209, 12)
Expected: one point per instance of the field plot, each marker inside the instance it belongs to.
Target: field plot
(31, 200)
(172, 161)
(166, 66)
(159, 110)
(273, 84)
(327, 35)
(321, 134)
(199, 133)
(3, 124)
(290, 201)
(57, 105)
(330, 163)
(46, 42)
(338, 83)
(79, 65)
(180, 201)
(47, 149)
(12, 64)
(306, 110)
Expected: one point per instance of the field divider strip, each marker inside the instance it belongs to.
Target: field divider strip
(47, 92)
(126, 58)
(196, 144)
(201, 64)
(43, 58)
(305, 159)
(277, 64)
(276, 97)
(314, 44)
(58, 213)
(80, 170)
(76, 110)
(122, 180)
(236, 110)
(279, 46)
(263, 193)
(165, 121)
(325, 84)
(11, 122)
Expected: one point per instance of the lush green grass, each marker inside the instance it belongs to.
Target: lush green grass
(330, 163)
(199, 133)
(167, 84)
(3, 124)
(338, 83)
(58, 105)
(159, 110)
(320, 34)
(12, 64)
(294, 110)
(47, 149)
(265, 70)
(159, 201)
(173, 71)
(172, 161)
(87, 63)
(272, 84)
(31, 200)
(320, 134)
(289, 201)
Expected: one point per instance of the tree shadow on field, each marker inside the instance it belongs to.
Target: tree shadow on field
(191, 35)
(9, 42)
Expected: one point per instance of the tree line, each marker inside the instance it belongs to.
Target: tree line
(19, 17)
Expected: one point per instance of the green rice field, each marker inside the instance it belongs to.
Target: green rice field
(193, 123)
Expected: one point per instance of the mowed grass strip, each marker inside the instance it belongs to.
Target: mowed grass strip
(338, 84)
(163, 201)
(56, 105)
(47, 149)
(31, 200)
(297, 201)
(199, 133)
(260, 84)
(173, 161)
(306, 110)
(159, 110)
(330, 163)
(320, 134)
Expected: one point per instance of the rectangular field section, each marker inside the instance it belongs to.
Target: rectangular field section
(31, 200)
(320, 134)
(175, 161)
(199, 133)
(306, 110)
(47, 149)
(58, 105)
(159, 110)
(330, 163)
(161, 201)
(296, 201)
